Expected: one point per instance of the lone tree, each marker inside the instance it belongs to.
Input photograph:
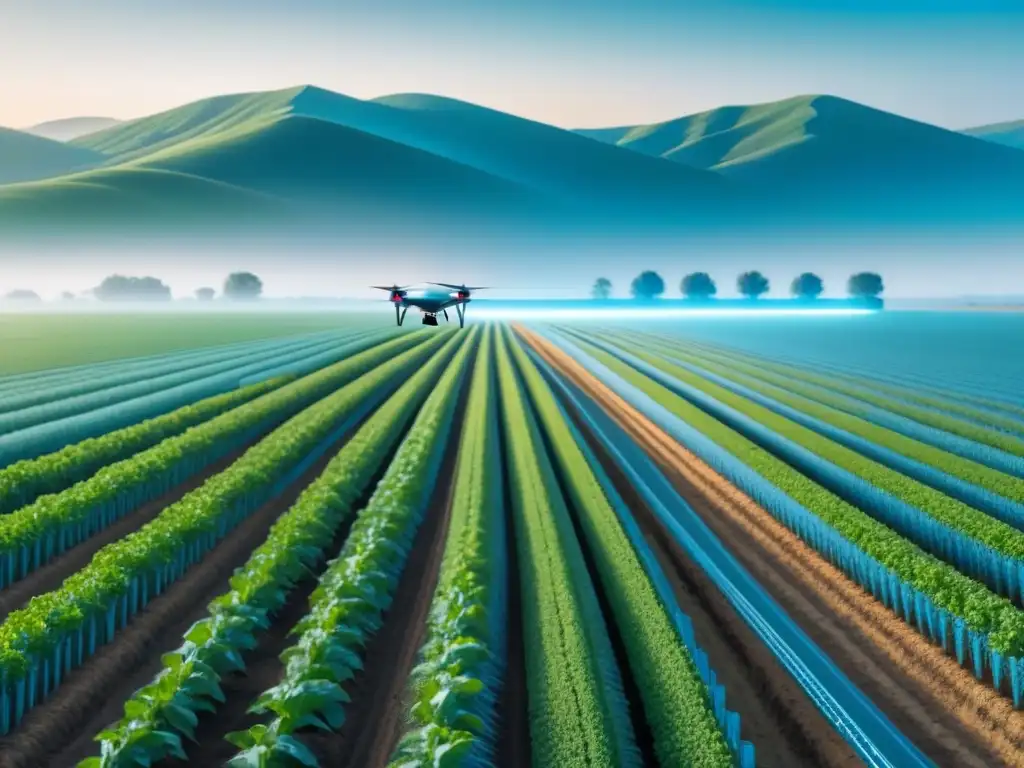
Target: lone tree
(807, 286)
(865, 285)
(602, 288)
(698, 285)
(22, 295)
(205, 294)
(243, 285)
(121, 288)
(647, 285)
(752, 284)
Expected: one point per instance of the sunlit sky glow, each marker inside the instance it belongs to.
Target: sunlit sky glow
(573, 63)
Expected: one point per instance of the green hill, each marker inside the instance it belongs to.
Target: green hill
(823, 151)
(71, 127)
(129, 198)
(1009, 134)
(309, 160)
(548, 159)
(24, 157)
(284, 169)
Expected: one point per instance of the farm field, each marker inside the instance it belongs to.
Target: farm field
(33, 342)
(550, 545)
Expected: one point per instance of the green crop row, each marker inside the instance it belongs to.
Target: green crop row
(347, 607)
(781, 389)
(454, 718)
(33, 535)
(46, 637)
(676, 701)
(976, 432)
(577, 709)
(982, 610)
(930, 396)
(24, 481)
(158, 715)
(961, 517)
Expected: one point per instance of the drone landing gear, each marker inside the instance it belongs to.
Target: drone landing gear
(460, 310)
(429, 319)
(400, 314)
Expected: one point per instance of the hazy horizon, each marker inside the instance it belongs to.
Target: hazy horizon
(950, 63)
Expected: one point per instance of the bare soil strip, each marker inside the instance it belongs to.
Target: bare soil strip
(377, 714)
(954, 718)
(52, 575)
(59, 733)
(514, 746)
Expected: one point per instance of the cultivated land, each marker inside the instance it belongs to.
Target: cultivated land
(33, 342)
(540, 545)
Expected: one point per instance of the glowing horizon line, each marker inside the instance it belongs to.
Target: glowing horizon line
(490, 312)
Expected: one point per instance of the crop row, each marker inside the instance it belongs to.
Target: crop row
(1007, 486)
(84, 376)
(977, 544)
(25, 481)
(985, 455)
(347, 607)
(456, 685)
(52, 435)
(75, 394)
(59, 629)
(954, 611)
(577, 708)
(54, 410)
(157, 716)
(978, 399)
(976, 432)
(34, 534)
(676, 702)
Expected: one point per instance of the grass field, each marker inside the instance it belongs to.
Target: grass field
(509, 546)
(32, 342)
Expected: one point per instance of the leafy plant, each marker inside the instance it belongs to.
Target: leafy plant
(348, 605)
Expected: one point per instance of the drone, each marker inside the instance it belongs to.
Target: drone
(430, 302)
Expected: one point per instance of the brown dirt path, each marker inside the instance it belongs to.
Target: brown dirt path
(955, 719)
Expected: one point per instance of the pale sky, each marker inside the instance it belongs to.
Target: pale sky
(573, 63)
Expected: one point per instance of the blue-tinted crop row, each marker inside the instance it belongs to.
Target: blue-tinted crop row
(53, 435)
(984, 631)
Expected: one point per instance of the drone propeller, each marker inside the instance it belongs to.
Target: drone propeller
(392, 288)
(463, 288)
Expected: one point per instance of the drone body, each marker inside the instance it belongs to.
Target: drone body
(430, 302)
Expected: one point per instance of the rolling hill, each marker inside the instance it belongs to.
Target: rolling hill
(71, 127)
(1008, 134)
(279, 170)
(548, 159)
(24, 157)
(839, 153)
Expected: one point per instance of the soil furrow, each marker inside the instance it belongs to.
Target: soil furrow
(954, 718)
(60, 732)
(377, 713)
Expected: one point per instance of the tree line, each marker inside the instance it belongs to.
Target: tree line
(753, 284)
(237, 285)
